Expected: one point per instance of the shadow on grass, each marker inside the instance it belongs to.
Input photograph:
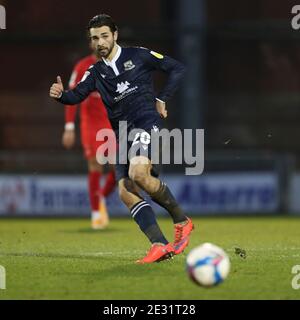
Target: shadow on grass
(133, 270)
(120, 266)
(126, 270)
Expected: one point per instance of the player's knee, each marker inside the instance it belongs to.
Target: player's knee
(138, 174)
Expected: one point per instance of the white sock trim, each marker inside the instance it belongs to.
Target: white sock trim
(144, 205)
(140, 204)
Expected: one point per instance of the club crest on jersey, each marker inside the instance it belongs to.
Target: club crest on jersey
(128, 65)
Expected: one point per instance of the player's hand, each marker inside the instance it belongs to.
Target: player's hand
(68, 138)
(161, 109)
(57, 89)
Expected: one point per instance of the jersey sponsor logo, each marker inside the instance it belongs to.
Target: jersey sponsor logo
(86, 74)
(124, 90)
(157, 55)
(128, 65)
(123, 86)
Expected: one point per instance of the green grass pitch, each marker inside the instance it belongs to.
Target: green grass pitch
(64, 259)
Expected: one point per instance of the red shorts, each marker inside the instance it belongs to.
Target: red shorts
(88, 138)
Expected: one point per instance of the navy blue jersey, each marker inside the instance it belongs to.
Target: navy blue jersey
(126, 84)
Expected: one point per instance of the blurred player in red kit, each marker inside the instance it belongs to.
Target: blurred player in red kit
(93, 117)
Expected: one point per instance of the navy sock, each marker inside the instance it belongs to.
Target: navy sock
(144, 216)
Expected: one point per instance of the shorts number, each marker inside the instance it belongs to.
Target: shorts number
(143, 137)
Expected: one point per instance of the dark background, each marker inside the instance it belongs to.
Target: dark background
(246, 82)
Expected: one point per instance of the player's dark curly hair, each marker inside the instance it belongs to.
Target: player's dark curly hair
(101, 20)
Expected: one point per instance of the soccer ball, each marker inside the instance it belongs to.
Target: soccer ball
(207, 265)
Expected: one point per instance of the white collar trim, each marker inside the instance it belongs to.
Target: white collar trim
(112, 63)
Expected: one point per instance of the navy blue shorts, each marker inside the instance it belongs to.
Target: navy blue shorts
(138, 144)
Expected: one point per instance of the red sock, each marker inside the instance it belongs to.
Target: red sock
(94, 190)
(110, 183)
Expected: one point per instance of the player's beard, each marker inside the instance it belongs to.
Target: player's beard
(105, 52)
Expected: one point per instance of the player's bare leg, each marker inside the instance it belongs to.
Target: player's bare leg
(129, 193)
(144, 216)
(140, 173)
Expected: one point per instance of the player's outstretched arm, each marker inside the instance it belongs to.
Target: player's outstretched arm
(76, 95)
